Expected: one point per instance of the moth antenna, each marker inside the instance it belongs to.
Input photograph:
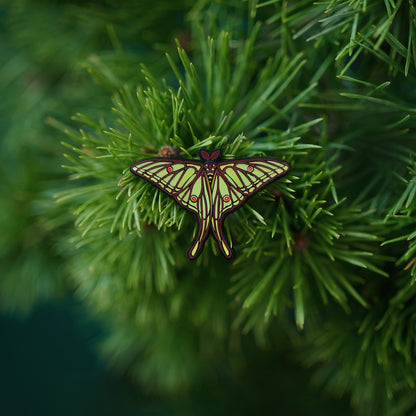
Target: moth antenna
(215, 154)
(204, 154)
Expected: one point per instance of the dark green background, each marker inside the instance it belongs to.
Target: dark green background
(49, 366)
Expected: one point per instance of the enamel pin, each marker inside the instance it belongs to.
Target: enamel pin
(210, 189)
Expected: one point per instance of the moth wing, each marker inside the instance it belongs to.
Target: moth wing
(187, 183)
(197, 198)
(180, 179)
(233, 183)
(245, 177)
(224, 199)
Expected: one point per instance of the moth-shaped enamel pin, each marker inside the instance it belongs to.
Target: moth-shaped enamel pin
(210, 189)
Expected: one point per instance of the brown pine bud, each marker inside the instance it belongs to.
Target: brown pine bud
(300, 242)
(276, 194)
(168, 151)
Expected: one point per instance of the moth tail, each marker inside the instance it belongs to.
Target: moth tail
(199, 241)
(216, 228)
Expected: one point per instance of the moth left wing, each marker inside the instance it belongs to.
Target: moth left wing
(233, 183)
(242, 178)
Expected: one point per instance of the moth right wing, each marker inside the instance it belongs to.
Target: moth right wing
(187, 183)
(177, 178)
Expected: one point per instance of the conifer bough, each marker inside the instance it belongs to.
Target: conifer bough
(325, 86)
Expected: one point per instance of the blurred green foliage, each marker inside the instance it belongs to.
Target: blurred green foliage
(325, 265)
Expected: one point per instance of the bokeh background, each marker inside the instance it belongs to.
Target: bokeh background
(67, 346)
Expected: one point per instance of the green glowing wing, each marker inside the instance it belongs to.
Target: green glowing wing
(233, 183)
(187, 183)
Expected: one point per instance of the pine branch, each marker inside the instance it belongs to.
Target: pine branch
(386, 30)
(183, 117)
(370, 357)
(326, 86)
